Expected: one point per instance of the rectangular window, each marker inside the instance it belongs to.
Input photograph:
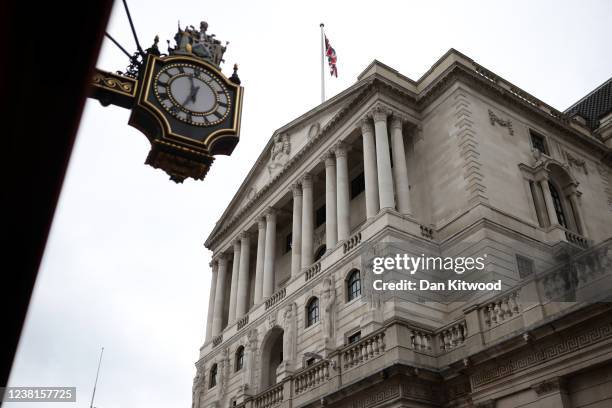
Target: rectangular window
(538, 142)
(355, 337)
(320, 216)
(357, 185)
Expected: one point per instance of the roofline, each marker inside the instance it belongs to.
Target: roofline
(588, 95)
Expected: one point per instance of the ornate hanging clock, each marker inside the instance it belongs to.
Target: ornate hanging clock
(181, 101)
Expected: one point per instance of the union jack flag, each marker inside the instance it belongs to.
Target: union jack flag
(330, 53)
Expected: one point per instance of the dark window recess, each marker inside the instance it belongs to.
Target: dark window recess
(538, 142)
(310, 362)
(558, 205)
(357, 185)
(525, 266)
(239, 358)
(320, 252)
(213, 376)
(288, 242)
(312, 312)
(353, 338)
(353, 285)
(320, 216)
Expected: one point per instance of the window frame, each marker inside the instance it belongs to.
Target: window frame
(212, 381)
(350, 282)
(239, 359)
(313, 315)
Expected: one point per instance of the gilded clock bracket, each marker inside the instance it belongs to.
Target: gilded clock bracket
(115, 89)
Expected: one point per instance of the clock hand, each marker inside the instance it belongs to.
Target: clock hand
(194, 94)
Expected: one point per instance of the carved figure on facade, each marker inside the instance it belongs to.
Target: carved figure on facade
(196, 389)
(279, 155)
(222, 372)
(289, 335)
(314, 130)
(329, 302)
(576, 162)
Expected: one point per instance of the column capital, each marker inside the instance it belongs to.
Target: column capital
(307, 180)
(397, 122)
(245, 235)
(270, 214)
(341, 149)
(380, 113)
(330, 160)
(296, 189)
(261, 223)
(365, 124)
(222, 259)
(236, 245)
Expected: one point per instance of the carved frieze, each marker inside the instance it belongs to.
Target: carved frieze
(501, 122)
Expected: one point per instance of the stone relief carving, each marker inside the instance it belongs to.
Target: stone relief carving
(314, 130)
(329, 303)
(197, 388)
(289, 335)
(222, 372)
(503, 123)
(281, 147)
(576, 162)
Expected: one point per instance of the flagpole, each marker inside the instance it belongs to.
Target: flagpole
(93, 394)
(322, 64)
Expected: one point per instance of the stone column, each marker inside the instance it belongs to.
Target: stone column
(331, 222)
(386, 192)
(400, 169)
(573, 195)
(370, 173)
(234, 287)
(243, 277)
(296, 232)
(261, 254)
(307, 221)
(540, 204)
(217, 325)
(550, 207)
(344, 216)
(552, 393)
(270, 254)
(211, 301)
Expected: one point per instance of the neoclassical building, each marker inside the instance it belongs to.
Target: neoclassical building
(456, 163)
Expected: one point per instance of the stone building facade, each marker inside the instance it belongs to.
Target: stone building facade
(456, 163)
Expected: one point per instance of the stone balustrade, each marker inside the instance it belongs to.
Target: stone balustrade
(576, 239)
(312, 271)
(420, 340)
(276, 297)
(501, 309)
(452, 336)
(352, 242)
(311, 377)
(243, 322)
(427, 232)
(364, 350)
(269, 398)
(217, 340)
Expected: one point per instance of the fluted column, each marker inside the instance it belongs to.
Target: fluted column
(296, 232)
(261, 255)
(344, 216)
(270, 255)
(307, 221)
(211, 301)
(243, 277)
(331, 222)
(234, 288)
(217, 325)
(400, 169)
(386, 192)
(550, 207)
(370, 172)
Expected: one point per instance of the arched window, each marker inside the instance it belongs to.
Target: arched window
(312, 312)
(213, 376)
(239, 359)
(320, 252)
(353, 285)
(557, 203)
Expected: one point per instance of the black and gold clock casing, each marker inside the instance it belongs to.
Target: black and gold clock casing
(181, 101)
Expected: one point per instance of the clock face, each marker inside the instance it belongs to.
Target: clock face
(192, 94)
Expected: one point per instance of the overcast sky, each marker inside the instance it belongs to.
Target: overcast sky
(125, 267)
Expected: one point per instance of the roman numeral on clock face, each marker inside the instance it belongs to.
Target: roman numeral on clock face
(217, 114)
